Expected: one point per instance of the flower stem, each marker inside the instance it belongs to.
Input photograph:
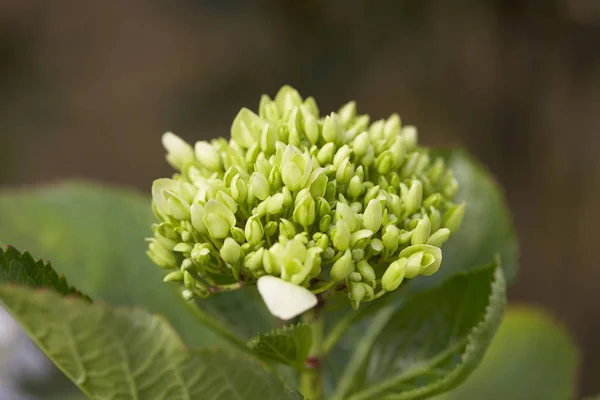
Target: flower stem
(311, 380)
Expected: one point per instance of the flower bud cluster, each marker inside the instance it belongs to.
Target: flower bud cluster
(334, 202)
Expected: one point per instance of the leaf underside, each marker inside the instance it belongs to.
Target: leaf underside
(123, 354)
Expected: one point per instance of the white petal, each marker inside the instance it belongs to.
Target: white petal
(284, 299)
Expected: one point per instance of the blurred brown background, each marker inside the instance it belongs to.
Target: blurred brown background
(88, 87)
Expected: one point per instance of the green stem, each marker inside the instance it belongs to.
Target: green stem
(311, 380)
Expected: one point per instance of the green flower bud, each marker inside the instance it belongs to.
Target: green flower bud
(325, 154)
(332, 129)
(343, 152)
(183, 248)
(325, 223)
(434, 200)
(268, 137)
(343, 212)
(453, 217)
(359, 125)
(318, 183)
(439, 237)
(287, 98)
(373, 215)
(224, 198)
(412, 201)
(341, 236)
(179, 152)
(360, 239)
(421, 231)
(377, 246)
(218, 219)
(259, 186)
(253, 231)
(267, 109)
(239, 189)
(287, 228)
(436, 218)
(270, 228)
(358, 254)
(207, 156)
(385, 162)
(354, 277)
(160, 255)
(272, 259)
(238, 235)
(197, 215)
(429, 261)
(274, 204)
(345, 171)
(246, 128)
(188, 281)
(253, 261)
(187, 295)
(342, 267)
(357, 293)
(394, 275)
(296, 168)
(355, 187)
(436, 171)
(304, 208)
(371, 194)
(311, 128)
(367, 272)
(176, 206)
(347, 113)
(173, 276)
(231, 251)
(409, 134)
(450, 186)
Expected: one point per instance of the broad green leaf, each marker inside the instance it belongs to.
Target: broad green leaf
(131, 354)
(95, 236)
(426, 344)
(288, 345)
(531, 357)
(21, 268)
(487, 228)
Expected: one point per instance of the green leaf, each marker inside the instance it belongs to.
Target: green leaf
(131, 354)
(288, 345)
(426, 344)
(94, 235)
(21, 268)
(531, 357)
(487, 229)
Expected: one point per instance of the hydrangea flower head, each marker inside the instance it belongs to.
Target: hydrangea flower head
(333, 202)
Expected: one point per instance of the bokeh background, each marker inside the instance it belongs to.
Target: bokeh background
(88, 87)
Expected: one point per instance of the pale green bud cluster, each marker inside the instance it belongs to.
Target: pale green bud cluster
(322, 202)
